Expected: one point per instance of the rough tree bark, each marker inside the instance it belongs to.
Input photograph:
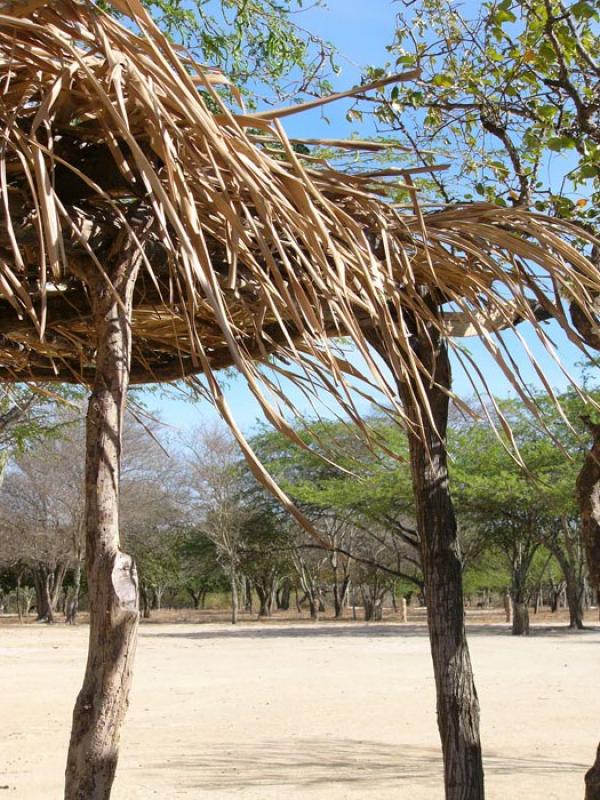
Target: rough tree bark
(457, 702)
(588, 498)
(520, 623)
(588, 491)
(112, 579)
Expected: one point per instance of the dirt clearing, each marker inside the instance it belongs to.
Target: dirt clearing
(266, 711)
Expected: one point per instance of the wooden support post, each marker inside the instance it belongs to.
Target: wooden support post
(112, 579)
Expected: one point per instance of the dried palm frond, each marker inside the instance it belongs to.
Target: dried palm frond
(248, 249)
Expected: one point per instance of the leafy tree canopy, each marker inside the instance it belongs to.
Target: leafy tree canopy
(375, 484)
(260, 44)
(509, 95)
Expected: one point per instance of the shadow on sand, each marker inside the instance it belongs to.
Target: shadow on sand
(286, 630)
(308, 763)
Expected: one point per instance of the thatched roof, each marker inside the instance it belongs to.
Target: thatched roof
(248, 247)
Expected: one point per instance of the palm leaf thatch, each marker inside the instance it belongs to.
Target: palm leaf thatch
(247, 249)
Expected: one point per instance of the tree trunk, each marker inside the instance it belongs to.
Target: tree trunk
(234, 596)
(159, 593)
(195, 598)
(41, 595)
(57, 585)
(340, 594)
(73, 604)
(112, 578)
(378, 611)
(47, 598)
(283, 595)
(592, 780)
(588, 498)
(575, 599)
(457, 702)
(18, 597)
(555, 595)
(368, 607)
(248, 595)
(146, 604)
(520, 623)
(265, 598)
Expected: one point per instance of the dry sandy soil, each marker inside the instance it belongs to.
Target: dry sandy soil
(269, 711)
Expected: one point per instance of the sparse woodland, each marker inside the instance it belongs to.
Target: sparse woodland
(202, 529)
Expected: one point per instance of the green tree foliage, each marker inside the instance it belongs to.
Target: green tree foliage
(509, 95)
(265, 550)
(376, 485)
(362, 505)
(28, 414)
(260, 45)
(199, 569)
(526, 516)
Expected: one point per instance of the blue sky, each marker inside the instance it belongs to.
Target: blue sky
(361, 32)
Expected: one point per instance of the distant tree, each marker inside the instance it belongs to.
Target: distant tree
(153, 511)
(214, 475)
(200, 571)
(520, 511)
(363, 509)
(265, 557)
(29, 414)
(42, 513)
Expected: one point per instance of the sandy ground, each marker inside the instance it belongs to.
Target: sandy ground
(271, 711)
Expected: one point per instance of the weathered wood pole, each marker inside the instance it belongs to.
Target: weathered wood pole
(112, 580)
(457, 702)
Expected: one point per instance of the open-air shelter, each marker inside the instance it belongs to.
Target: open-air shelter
(148, 233)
